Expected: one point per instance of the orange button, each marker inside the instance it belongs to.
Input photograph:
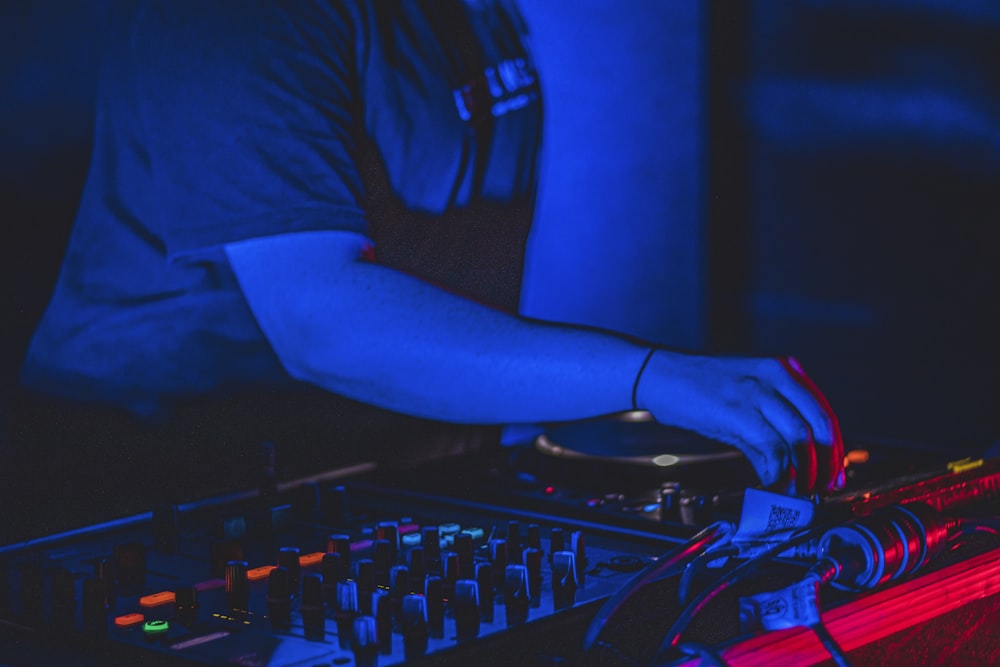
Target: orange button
(157, 599)
(856, 457)
(314, 558)
(128, 620)
(258, 573)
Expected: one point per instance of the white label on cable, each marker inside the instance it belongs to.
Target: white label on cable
(768, 519)
(791, 607)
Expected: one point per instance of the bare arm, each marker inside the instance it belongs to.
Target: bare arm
(386, 338)
(383, 337)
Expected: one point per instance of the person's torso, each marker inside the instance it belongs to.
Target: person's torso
(448, 128)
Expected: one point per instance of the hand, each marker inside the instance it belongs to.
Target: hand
(767, 408)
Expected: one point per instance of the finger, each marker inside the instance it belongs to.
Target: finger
(795, 387)
(767, 450)
(830, 468)
(798, 436)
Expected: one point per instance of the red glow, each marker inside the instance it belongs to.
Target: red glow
(944, 492)
(825, 472)
(874, 617)
(549, 490)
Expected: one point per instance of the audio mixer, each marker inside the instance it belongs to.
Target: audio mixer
(507, 556)
(320, 574)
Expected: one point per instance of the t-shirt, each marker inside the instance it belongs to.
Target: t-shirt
(416, 123)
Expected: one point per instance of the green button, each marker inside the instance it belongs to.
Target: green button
(155, 627)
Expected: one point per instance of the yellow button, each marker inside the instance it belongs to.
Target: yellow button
(964, 464)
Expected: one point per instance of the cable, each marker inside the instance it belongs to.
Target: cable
(681, 623)
(627, 660)
(707, 654)
(674, 558)
(696, 567)
(989, 525)
(890, 543)
(824, 570)
(830, 644)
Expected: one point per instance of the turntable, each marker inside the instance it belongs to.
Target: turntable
(628, 470)
(633, 439)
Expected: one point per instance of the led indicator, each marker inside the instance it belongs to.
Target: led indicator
(664, 460)
(549, 490)
(157, 599)
(129, 620)
(260, 573)
(652, 507)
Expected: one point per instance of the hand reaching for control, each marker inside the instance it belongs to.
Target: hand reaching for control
(768, 408)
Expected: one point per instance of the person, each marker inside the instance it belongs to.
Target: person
(297, 197)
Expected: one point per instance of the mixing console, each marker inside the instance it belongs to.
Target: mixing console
(506, 556)
(320, 574)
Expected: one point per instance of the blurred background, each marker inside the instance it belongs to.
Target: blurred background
(816, 178)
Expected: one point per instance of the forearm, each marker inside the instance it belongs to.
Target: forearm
(386, 338)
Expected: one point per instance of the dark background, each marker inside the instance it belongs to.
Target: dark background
(814, 178)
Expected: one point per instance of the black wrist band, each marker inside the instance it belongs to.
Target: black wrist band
(638, 376)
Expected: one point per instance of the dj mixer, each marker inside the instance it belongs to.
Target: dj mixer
(323, 573)
(499, 558)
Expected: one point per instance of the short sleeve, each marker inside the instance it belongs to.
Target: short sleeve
(249, 111)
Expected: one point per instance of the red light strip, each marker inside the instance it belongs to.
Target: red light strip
(875, 616)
